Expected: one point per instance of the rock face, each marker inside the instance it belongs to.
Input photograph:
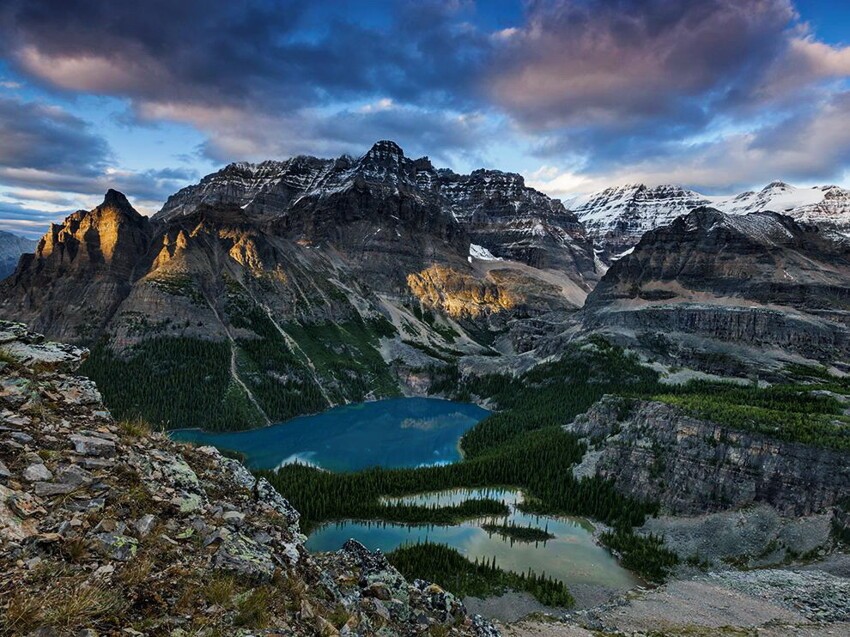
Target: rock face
(106, 525)
(616, 218)
(693, 466)
(11, 248)
(489, 208)
(761, 279)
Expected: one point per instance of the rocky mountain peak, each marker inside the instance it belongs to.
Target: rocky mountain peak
(777, 185)
(118, 201)
(385, 149)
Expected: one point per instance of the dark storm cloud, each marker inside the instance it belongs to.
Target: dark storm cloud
(263, 53)
(224, 66)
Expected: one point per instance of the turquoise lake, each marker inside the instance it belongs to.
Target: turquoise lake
(399, 432)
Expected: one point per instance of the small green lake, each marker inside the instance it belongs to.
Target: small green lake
(571, 556)
(399, 432)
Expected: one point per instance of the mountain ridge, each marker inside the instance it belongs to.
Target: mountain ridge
(618, 216)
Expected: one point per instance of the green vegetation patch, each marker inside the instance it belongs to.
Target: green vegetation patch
(550, 395)
(172, 383)
(177, 285)
(345, 355)
(643, 554)
(452, 571)
(791, 413)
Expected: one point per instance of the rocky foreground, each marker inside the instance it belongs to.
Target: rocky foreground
(108, 528)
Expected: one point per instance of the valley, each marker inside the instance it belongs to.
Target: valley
(454, 369)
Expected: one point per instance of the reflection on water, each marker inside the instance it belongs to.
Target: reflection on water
(571, 556)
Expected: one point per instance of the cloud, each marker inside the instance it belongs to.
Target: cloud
(39, 137)
(596, 89)
(24, 221)
(273, 68)
(654, 90)
(615, 63)
(811, 146)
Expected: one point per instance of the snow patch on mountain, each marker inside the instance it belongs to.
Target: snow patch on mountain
(481, 253)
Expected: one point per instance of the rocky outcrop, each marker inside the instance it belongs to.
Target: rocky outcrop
(761, 279)
(107, 526)
(695, 466)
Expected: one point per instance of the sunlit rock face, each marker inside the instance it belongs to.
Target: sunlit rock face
(459, 295)
(81, 270)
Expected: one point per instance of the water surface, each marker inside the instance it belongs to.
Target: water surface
(572, 556)
(399, 432)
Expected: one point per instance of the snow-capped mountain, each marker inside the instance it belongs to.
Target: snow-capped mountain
(616, 218)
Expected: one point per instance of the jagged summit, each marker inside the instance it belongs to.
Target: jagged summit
(385, 149)
(116, 199)
(497, 210)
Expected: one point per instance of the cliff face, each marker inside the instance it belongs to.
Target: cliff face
(692, 466)
(761, 279)
(107, 526)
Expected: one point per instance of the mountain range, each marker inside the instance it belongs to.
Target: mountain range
(617, 217)
(11, 248)
(289, 286)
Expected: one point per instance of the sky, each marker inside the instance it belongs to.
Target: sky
(576, 95)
